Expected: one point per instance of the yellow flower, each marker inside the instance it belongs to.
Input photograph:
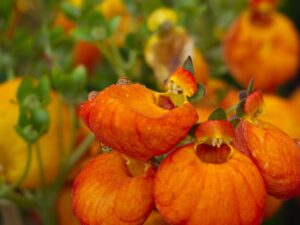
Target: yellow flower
(167, 48)
(13, 149)
(160, 17)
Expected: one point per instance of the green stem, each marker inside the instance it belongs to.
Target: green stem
(60, 134)
(73, 128)
(41, 165)
(72, 160)
(82, 148)
(48, 212)
(231, 109)
(26, 169)
(116, 55)
(19, 199)
(111, 58)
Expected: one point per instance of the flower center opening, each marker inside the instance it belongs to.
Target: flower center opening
(261, 19)
(214, 155)
(136, 168)
(165, 102)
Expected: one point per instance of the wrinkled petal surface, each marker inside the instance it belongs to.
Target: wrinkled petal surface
(275, 154)
(191, 192)
(126, 118)
(106, 193)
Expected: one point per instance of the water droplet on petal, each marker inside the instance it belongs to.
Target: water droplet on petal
(105, 148)
(92, 95)
(123, 81)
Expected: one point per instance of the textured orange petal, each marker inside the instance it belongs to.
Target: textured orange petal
(106, 193)
(191, 192)
(126, 118)
(253, 103)
(186, 80)
(275, 154)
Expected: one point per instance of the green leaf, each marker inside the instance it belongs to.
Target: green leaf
(82, 33)
(250, 87)
(70, 10)
(40, 120)
(200, 93)
(79, 78)
(23, 118)
(94, 19)
(43, 90)
(113, 24)
(98, 33)
(240, 109)
(70, 85)
(26, 87)
(188, 65)
(218, 114)
(6, 12)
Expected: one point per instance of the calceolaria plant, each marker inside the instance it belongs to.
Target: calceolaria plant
(162, 137)
(216, 172)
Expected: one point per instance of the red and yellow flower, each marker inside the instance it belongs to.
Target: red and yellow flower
(128, 119)
(274, 152)
(193, 180)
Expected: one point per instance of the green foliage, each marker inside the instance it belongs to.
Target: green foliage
(33, 98)
(218, 114)
(71, 85)
(200, 93)
(188, 65)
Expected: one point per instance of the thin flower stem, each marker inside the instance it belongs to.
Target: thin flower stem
(18, 199)
(112, 59)
(71, 162)
(60, 134)
(116, 55)
(73, 128)
(231, 109)
(26, 169)
(41, 165)
(82, 148)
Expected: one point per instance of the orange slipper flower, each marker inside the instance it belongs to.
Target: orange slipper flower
(128, 119)
(255, 47)
(210, 182)
(273, 151)
(109, 191)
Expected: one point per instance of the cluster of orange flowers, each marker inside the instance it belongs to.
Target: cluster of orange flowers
(219, 177)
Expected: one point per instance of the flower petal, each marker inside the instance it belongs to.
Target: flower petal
(127, 118)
